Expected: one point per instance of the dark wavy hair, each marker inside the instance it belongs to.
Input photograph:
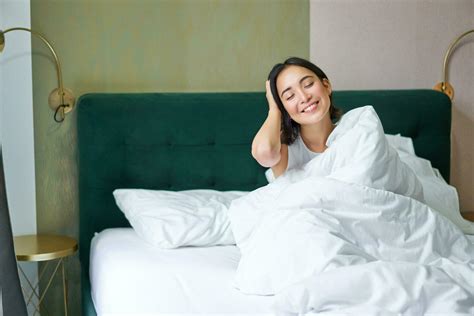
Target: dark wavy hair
(289, 128)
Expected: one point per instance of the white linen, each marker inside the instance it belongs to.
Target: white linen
(438, 194)
(359, 153)
(169, 219)
(130, 277)
(352, 220)
(299, 154)
(401, 143)
(378, 288)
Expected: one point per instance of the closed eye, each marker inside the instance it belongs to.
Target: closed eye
(309, 85)
(290, 97)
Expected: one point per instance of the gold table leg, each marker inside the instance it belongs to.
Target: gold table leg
(64, 292)
(35, 288)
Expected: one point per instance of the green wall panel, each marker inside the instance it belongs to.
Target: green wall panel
(143, 46)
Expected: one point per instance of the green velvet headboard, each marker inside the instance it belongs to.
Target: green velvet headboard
(177, 141)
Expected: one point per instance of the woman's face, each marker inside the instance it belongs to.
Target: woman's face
(304, 96)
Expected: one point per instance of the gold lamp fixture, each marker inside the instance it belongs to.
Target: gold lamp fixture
(445, 86)
(61, 99)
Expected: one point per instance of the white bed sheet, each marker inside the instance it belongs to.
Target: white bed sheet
(129, 277)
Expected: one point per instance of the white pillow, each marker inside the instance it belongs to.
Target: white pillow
(168, 219)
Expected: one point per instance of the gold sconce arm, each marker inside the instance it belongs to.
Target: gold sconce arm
(61, 99)
(445, 86)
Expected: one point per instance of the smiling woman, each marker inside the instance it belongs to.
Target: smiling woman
(300, 119)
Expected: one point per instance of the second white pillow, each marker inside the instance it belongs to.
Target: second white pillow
(169, 219)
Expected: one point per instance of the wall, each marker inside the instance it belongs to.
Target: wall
(119, 46)
(401, 44)
(2, 26)
(17, 117)
(16, 121)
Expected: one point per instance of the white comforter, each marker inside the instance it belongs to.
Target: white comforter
(350, 233)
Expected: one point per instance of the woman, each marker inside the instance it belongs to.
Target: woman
(300, 117)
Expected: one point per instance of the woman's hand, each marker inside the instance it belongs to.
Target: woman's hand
(266, 144)
(272, 106)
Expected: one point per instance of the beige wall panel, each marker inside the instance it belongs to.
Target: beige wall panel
(400, 44)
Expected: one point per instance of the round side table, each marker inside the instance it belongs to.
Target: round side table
(34, 248)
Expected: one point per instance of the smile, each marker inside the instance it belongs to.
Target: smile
(310, 108)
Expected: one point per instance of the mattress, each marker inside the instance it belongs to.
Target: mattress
(130, 277)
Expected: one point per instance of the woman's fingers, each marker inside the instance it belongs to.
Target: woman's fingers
(271, 101)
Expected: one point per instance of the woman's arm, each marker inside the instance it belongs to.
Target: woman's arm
(266, 146)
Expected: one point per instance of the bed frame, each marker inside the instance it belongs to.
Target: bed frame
(177, 141)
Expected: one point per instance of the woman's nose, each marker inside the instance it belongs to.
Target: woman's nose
(304, 97)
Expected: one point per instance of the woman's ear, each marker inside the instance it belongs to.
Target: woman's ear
(327, 84)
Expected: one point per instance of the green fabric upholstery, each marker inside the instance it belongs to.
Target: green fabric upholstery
(87, 304)
(177, 141)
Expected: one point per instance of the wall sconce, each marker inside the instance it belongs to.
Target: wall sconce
(445, 86)
(61, 99)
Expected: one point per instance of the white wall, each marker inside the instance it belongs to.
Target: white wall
(16, 92)
(16, 122)
(400, 44)
(1, 78)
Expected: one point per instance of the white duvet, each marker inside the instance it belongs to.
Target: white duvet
(350, 233)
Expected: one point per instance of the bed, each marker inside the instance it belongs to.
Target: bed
(182, 141)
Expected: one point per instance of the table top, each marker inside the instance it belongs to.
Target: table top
(43, 247)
